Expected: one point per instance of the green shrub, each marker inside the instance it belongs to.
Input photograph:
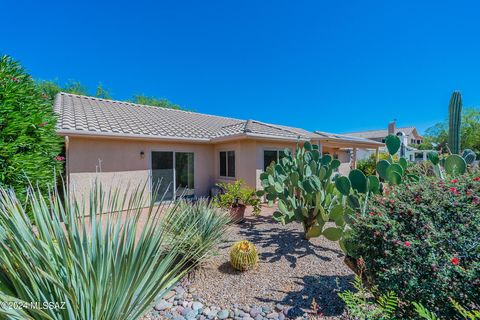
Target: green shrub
(421, 241)
(235, 194)
(421, 169)
(29, 146)
(209, 225)
(104, 266)
(369, 166)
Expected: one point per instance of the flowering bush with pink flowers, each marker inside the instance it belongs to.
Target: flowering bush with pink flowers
(422, 240)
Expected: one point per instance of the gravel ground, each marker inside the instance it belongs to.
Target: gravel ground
(292, 272)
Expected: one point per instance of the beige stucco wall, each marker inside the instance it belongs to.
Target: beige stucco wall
(248, 159)
(117, 163)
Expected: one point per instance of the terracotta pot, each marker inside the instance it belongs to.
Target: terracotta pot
(237, 213)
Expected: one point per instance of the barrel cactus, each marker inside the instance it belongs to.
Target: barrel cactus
(469, 156)
(454, 116)
(302, 185)
(243, 255)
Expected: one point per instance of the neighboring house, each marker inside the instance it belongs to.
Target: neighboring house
(409, 136)
(124, 144)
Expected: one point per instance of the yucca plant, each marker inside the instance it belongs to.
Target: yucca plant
(75, 262)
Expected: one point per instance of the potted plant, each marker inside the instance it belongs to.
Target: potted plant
(234, 197)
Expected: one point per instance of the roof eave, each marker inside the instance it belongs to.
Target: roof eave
(257, 136)
(366, 144)
(95, 134)
(279, 138)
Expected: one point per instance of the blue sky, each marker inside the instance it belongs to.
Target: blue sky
(322, 65)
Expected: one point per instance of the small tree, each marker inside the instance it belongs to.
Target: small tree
(153, 101)
(29, 146)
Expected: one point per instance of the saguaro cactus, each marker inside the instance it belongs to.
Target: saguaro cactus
(454, 113)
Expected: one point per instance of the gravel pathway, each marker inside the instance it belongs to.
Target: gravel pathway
(291, 275)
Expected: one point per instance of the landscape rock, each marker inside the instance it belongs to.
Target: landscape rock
(223, 314)
(163, 305)
(197, 305)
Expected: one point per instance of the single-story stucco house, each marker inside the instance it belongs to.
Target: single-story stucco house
(121, 143)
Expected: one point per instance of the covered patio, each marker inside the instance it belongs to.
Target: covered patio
(345, 148)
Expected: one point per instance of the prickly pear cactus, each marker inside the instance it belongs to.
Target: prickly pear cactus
(302, 185)
(452, 164)
(455, 165)
(391, 171)
(355, 191)
(243, 255)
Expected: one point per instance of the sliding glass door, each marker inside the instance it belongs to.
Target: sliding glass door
(184, 182)
(162, 175)
(172, 174)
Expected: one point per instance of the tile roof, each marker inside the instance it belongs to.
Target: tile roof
(372, 134)
(95, 116)
(82, 114)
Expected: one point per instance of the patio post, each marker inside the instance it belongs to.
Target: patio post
(354, 158)
(320, 148)
(377, 155)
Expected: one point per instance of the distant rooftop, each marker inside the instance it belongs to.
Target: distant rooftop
(381, 133)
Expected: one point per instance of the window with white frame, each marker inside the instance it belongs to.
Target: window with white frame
(227, 164)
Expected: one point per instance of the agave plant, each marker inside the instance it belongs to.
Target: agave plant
(71, 263)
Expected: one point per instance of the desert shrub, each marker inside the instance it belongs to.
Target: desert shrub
(104, 266)
(421, 169)
(368, 166)
(421, 241)
(29, 146)
(209, 225)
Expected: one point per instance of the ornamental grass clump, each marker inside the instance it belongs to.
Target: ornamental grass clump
(209, 222)
(421, 241)
(75, 262)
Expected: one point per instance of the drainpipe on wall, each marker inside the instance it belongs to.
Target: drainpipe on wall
(67, 160)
